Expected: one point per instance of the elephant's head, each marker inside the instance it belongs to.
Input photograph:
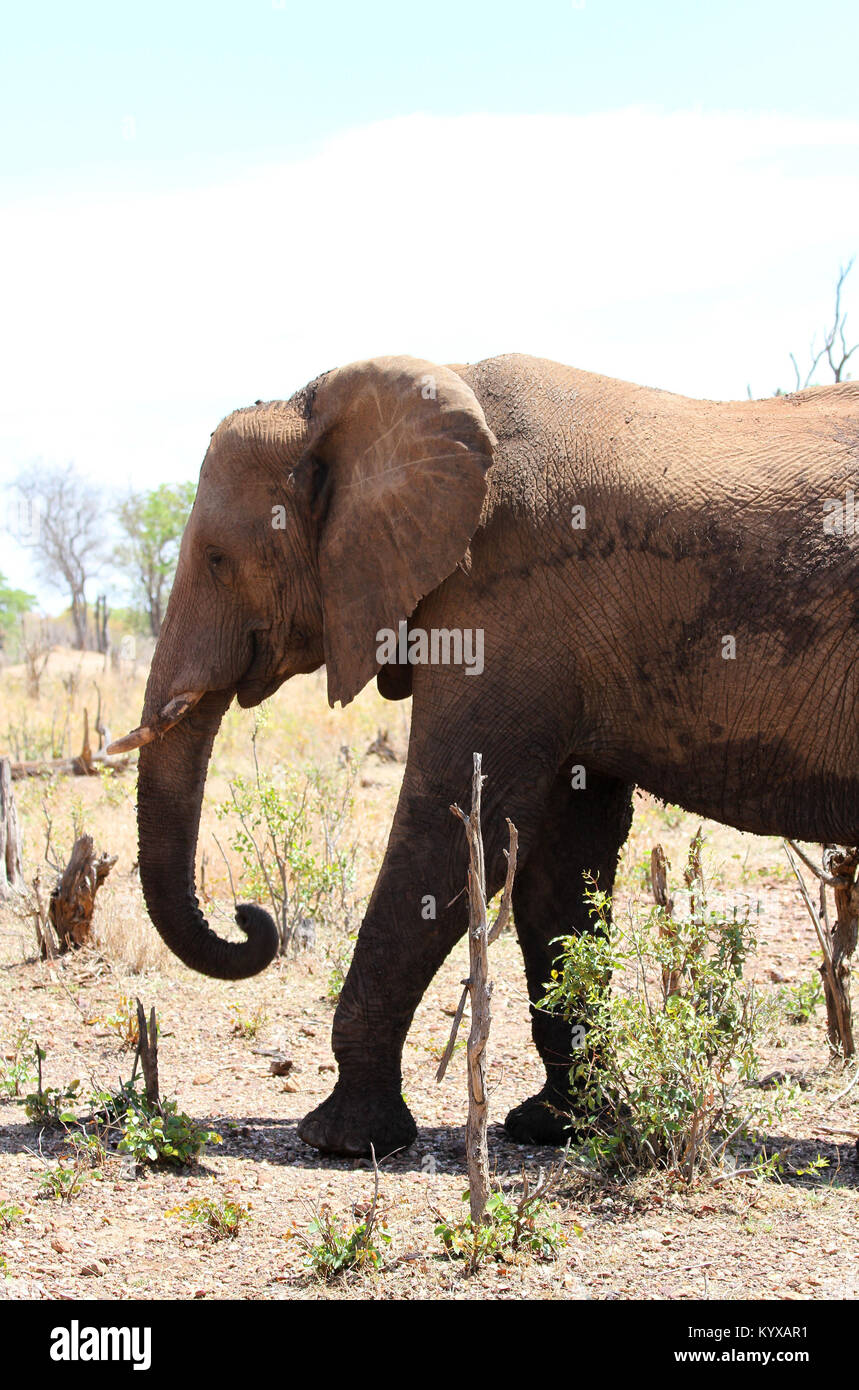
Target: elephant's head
(318, 521)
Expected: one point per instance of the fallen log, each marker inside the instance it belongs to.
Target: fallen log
(86, 764)
(69, 767)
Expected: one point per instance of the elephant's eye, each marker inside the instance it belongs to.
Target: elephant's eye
(215, 558)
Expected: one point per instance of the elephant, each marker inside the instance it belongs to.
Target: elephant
(667, 592)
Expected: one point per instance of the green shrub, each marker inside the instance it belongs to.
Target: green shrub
(49, 1105)
(63, 1180)
(665, 1078)
(508, 1228)
(331, 1249)
(163, 1134)
(123, 1021)
(149, 1133)
(223, 1218)
(243, 1025)
(9, 1214)
(19, 1069)
(798, 1003)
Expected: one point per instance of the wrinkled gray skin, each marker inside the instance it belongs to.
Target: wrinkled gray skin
(446, 496)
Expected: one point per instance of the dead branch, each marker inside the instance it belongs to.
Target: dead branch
(479, 987)
(838, 942)
(693, 877)
(498, 926)
(147, 1053)
(381, 746)
(372, 1211)
(45, 938)
(104, 738)
(818, 873)
(662, 897)
(834, 348)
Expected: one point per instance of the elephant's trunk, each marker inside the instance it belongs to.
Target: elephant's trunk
(172, 775)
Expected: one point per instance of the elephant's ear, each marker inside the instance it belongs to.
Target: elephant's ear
(406, 447)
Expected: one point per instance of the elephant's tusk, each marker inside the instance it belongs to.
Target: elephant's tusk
(135, 739)
(171, 714)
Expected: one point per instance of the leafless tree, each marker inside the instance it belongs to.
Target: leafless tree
(69, 538)
(834, 350)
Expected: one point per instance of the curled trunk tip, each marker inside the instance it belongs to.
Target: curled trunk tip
(172, 776)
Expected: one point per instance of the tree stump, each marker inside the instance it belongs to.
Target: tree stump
(73, 900)
(11, 870)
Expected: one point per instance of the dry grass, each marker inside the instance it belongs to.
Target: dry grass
(301, 731)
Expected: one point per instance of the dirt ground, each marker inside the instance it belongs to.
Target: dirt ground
(788, 1237)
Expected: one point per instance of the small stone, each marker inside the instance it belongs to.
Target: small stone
(94, 1270)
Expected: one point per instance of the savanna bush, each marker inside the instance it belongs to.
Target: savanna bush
(666, 1075)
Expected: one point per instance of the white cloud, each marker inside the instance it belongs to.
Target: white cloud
(688, 250)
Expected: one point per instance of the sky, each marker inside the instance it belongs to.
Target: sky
(203, 204)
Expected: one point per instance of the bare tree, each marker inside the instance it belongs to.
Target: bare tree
(834, 349)
(69, 538)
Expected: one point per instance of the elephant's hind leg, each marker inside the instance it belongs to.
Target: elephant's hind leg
(582, 831)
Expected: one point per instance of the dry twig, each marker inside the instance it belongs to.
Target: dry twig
(838, 942)
(479, 987)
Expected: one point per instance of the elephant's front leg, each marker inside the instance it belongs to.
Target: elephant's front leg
(582, 831)
(397, 953)
(416, 915)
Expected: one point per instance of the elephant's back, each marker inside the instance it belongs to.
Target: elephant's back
(560, 426)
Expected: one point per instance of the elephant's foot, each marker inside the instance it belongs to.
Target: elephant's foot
(544, 1119)
(353, 1118)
